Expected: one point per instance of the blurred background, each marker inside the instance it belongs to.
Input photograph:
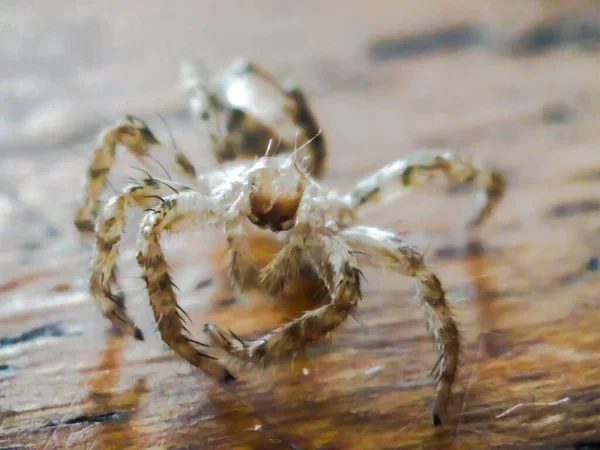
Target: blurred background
(512, 84)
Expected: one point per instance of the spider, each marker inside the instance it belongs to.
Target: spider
(316, 229)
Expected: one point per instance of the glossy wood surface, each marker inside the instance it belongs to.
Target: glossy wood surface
(512, 83)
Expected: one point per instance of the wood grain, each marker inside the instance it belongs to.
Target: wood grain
(512, 84)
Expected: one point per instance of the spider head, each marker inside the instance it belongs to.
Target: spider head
(276, 190)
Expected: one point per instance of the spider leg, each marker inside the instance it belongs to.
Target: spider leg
(316, 144)
(294, 336)
(204, 105)
(131, 132)
(240, 268)
(247, 137)
(243, 137)
(175, 211)
(383, 249)
(300, 111)
(245, 66)
(109, 231)
(404, 173)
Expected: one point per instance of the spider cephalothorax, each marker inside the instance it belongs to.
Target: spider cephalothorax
(316, 228)
(275, 194)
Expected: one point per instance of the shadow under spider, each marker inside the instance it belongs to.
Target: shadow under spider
(305, 293)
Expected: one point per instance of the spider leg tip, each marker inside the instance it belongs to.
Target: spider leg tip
(228, 377)
(137, 334)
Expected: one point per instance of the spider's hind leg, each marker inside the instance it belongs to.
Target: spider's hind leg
(242, 136)
(300, 112)
(306, 120)
(246, 138)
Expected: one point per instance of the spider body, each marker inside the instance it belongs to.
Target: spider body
(315, 229)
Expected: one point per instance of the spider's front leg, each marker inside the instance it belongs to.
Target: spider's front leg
(109, 232)
(387, 250)
(133, 134)
(294, 336)
(407, 172)
(174, 212)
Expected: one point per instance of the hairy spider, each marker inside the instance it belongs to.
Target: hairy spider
(316, 230)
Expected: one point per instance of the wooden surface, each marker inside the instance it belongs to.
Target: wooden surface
(512, 83)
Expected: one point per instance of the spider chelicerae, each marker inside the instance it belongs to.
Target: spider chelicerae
(275, 188)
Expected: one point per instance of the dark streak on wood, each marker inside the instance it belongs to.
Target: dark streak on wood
(567, 209)
(96, 418)
(587, 445)
(553, 34)
(536, 40)
(593, 264)
(451, 251)
(588, 175)
(51, 330)
(226, 302)
(526, 377)
(556, 113)
(412, 46)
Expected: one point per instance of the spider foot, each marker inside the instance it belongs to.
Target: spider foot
(228, 341)
(439, 413)
(85, 220)
(114, 309)
(121, 320)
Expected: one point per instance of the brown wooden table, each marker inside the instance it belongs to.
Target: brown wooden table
(514, 84)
